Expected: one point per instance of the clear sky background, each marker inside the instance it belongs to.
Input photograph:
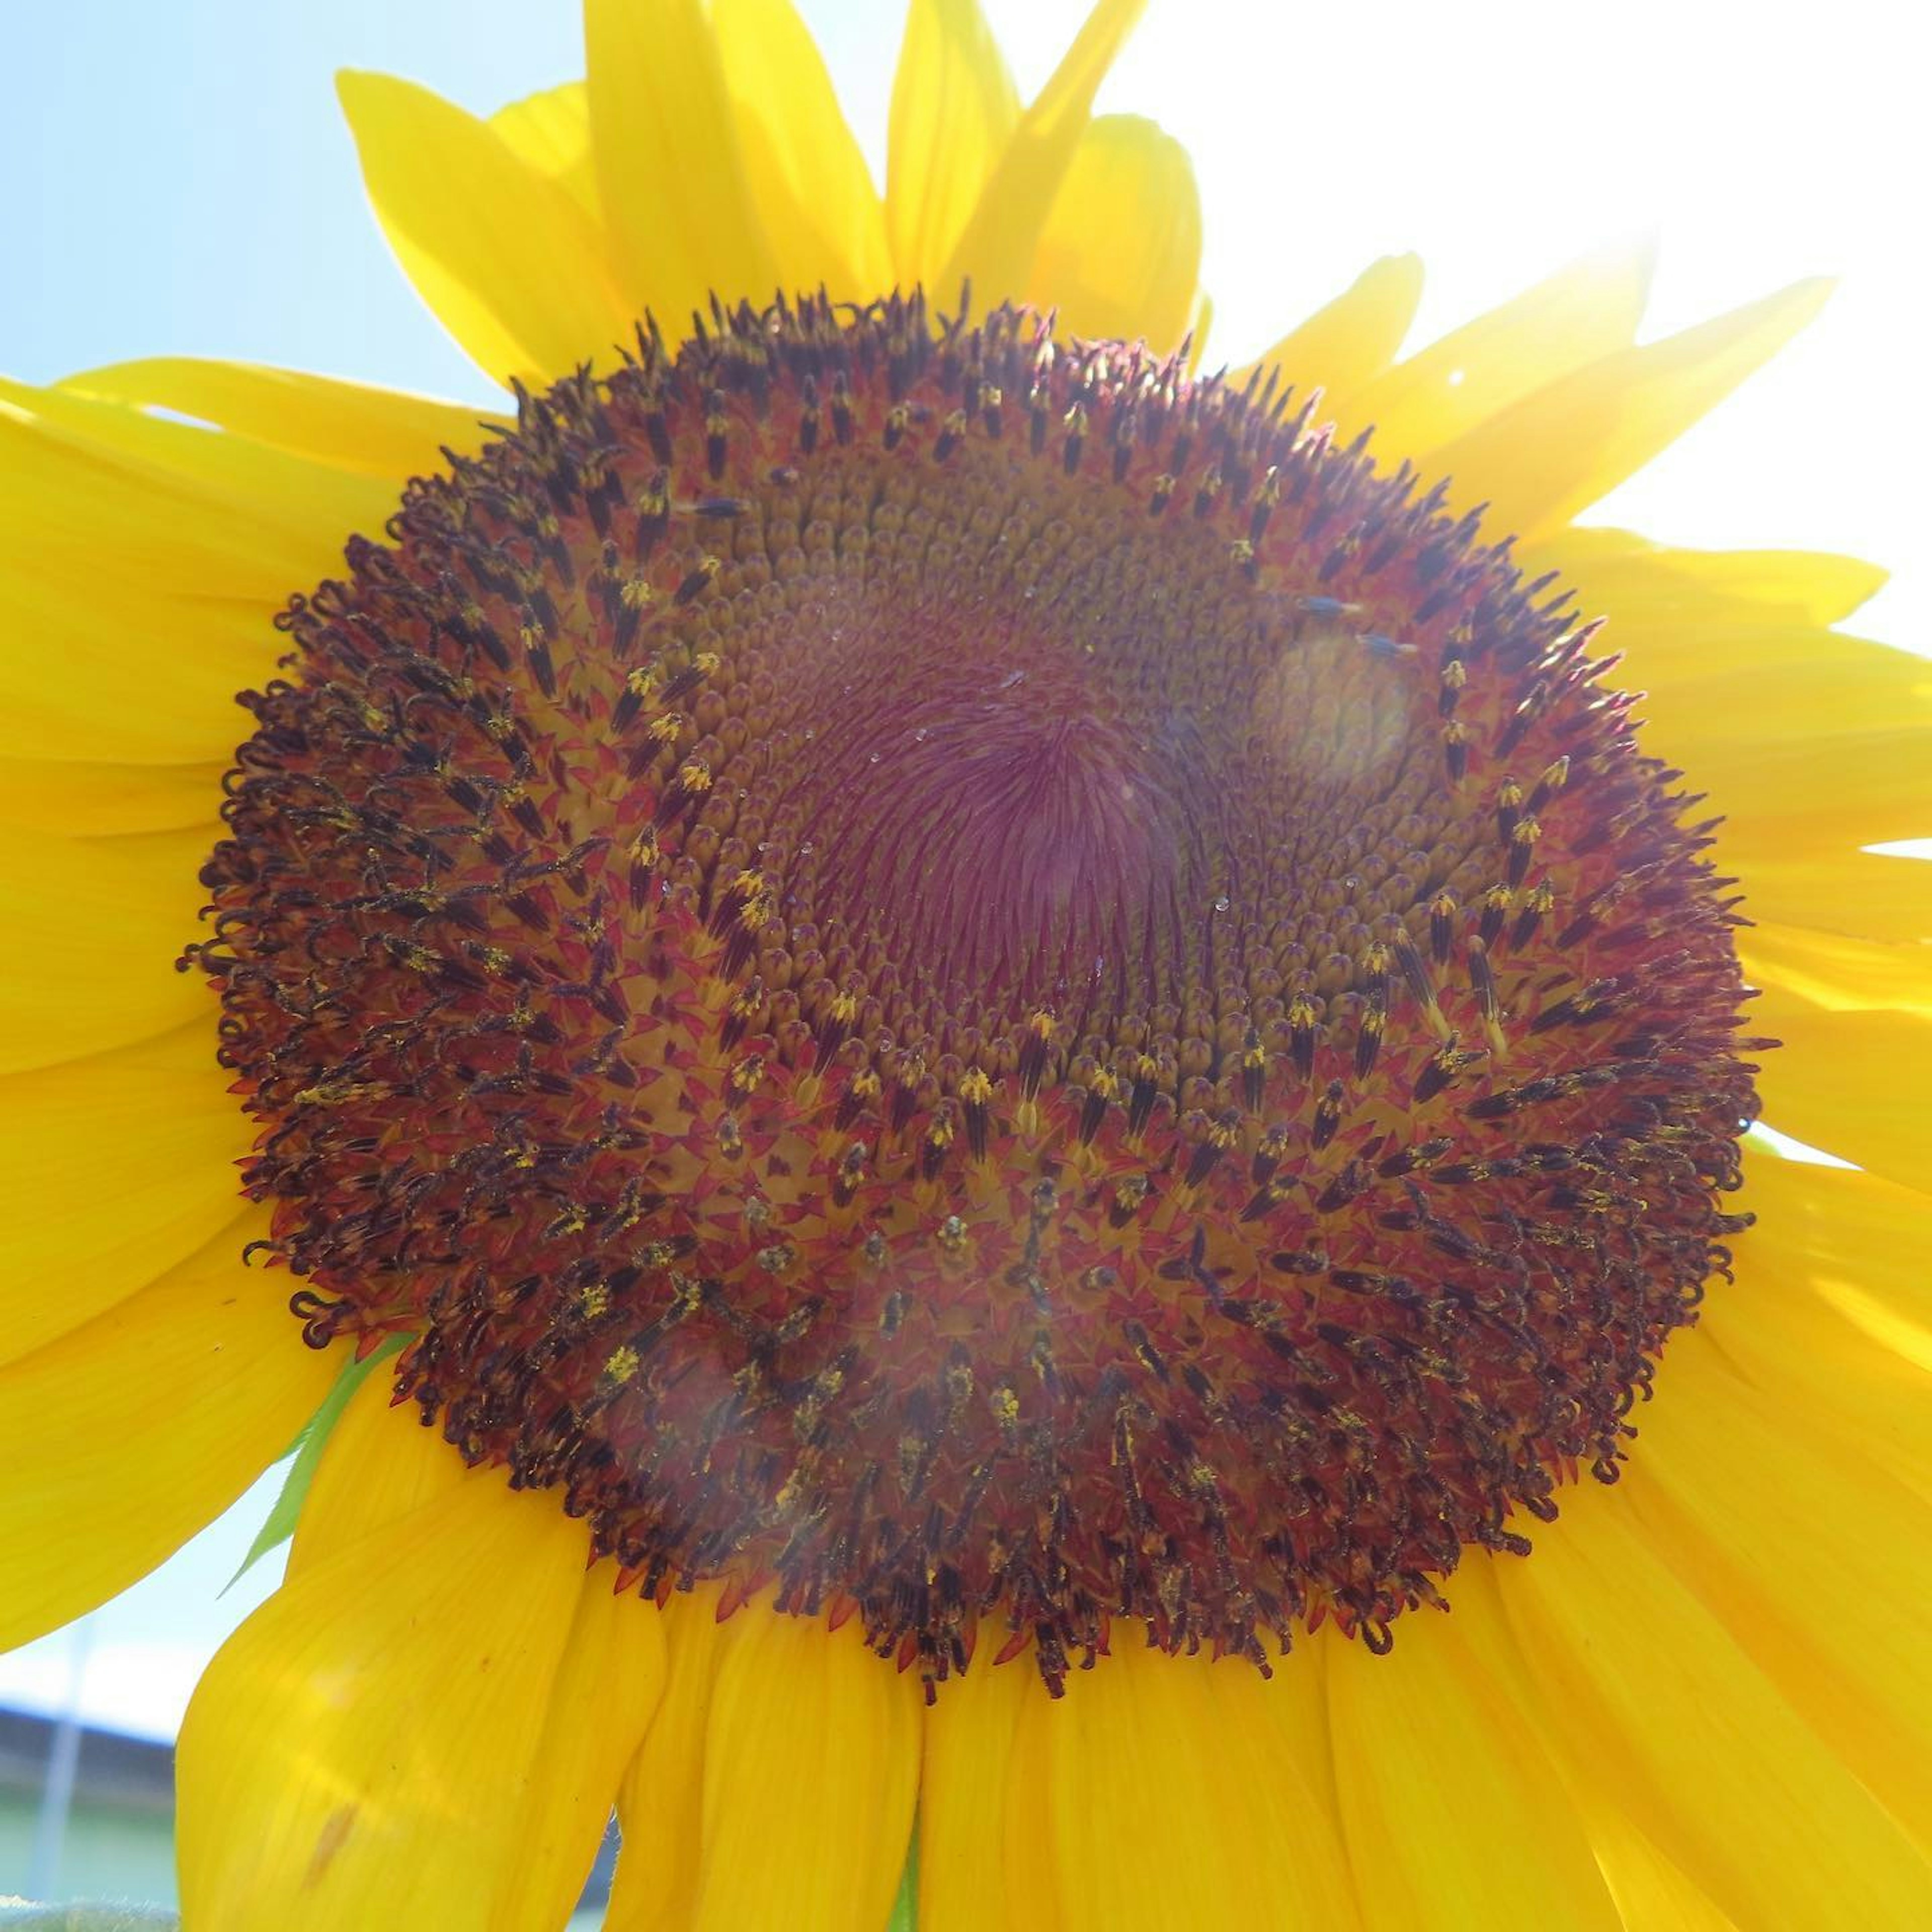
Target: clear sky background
(178, 180)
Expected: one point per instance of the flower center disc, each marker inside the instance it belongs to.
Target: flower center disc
(950, 974)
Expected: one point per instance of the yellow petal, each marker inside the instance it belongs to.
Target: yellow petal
(676, 200)
(1833, 738)
(1453, 1813)
(123, 1438)
(968, 1763)
(144, 558)
(71, 799)
(1798, 1545)
(373, 1746)
(660, 1802)
(1853, 1084)
(115, 677)
(380, 1466)
(1339, 349)
(384, 434)
(1709, 689)
(122, 1166)
(953, 112)
(995, 249)
(503, 256)
(113, 491)
(1654, 1700)
(804, 166)
(1121, 253)
(1860, 1242)
(1649, 1890)
(1298, 1710)
(1817, 882)
(1637, 580)
(1170, 1803)
(1554, 453)
(1832, 1321)
(1587, 310)
(1825, 969)
(100, 924)
(811, 1769)
(605, 1694)
(549, 133)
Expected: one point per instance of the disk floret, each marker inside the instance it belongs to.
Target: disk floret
(946, 972)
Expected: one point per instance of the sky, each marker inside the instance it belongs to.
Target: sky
(189, 188)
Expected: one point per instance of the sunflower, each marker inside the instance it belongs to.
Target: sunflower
(1022, 1051)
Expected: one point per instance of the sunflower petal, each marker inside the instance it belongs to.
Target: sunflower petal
(380, 1466)
(368, 1748)
(1840, 975)
(1860, 1242)
(384, 434)
(953, 112)
(1834, 1319)
(107, 676)
(122, 1437)
(1862, 895)
(549, 133)
(1120, 255)
(1585, 311)
(660, 1802)
(811, 1769)
(1852, 1083)
(141, 560)
(1558, 450)
(1824, 733)
(1649, 1890)
(124, 1166)
(504, 258)
(1655, 1701)
(676, 194)
(1445, 1793)
(606, 1692)
(802, 161)
(1170, 1803)
(187, 511)
(967, 1762)
(1339, 349)
(1767, 1523)
(69, 799)
(995, 249)
(103, 922)
(1709, 688)
(1661, 586)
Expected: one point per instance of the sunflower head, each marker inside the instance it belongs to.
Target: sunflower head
(951, 972)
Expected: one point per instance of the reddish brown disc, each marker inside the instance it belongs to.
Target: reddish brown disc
(952, 973)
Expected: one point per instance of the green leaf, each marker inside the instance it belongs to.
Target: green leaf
(905, 1907)
(307, 1449)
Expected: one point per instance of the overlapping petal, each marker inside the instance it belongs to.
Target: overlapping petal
(509, 261)
(426, 1724)
(1119, 257)
(807, 175)
(119, 1167)
(130, 1431)
(1167, 1801)
(1540, 462)
(777, 1785)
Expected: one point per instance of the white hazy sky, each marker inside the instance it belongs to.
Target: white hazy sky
(179, 182)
